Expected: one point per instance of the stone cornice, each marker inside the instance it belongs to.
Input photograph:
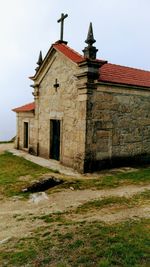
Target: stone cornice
(130, 87)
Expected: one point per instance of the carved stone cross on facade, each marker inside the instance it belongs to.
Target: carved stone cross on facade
(63, 17)
(56, 85)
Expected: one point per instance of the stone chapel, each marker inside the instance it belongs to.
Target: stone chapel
(87, 113)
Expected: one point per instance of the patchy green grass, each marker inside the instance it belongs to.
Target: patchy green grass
(51, 218)
(82, 244)
(97, 204)
(140, 176)
(12, 168)
(66, 243)
(103, 203)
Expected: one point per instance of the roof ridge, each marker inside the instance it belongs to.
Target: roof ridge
(69, 52)
(26, 107)
(128, 67)
(74, 51)
(28, 104)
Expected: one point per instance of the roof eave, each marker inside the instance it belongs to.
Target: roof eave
(147, 88)
(19, 111)
(33, 78)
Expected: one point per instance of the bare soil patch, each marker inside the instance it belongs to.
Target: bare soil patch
(7, 146)
(16, 216)
(115, 215)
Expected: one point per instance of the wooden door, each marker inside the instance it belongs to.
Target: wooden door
(26, 134)
(55, 139)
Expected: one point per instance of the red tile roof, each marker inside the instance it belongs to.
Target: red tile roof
(107, 73)
(110, 72)
(25, 108)
(124, 75)
(68, 52)
(71, 54)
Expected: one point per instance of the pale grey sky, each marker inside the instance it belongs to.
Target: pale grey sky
(121, 30)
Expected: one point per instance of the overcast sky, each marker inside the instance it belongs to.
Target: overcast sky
(121, 29)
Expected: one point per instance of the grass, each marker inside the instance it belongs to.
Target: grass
(12, 168)
(51, 218)
(94, 206)
(114, 201)
(82, 244)
(140, 176)
(62, 242)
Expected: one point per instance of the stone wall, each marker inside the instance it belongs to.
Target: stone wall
(118, 126)
(62, 104)
(101, 125)
(21, 118)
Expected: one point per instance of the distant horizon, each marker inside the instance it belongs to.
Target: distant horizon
(8, 138)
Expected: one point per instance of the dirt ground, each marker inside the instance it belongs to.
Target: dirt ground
(19, 218)
(16, 216)
(4, 147)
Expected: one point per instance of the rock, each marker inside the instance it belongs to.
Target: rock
(16, 198)
(5, 240)
(38, 197)
(24, 190)
(71, 188)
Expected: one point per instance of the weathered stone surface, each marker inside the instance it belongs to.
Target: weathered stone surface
(100, 125)
(121, 124)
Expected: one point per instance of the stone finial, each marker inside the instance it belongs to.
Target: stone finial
(90, 51)
(40, 60)
(90, 37)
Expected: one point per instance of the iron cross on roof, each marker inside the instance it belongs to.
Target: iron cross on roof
(63, 17)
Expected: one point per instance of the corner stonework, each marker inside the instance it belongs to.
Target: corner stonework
(36, 100)
(86, 85)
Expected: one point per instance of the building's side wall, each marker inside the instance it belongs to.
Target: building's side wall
(62, 104)
(21, 118)
(118, 126)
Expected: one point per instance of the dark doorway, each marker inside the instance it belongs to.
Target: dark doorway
(55, 139)
(26, 135)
